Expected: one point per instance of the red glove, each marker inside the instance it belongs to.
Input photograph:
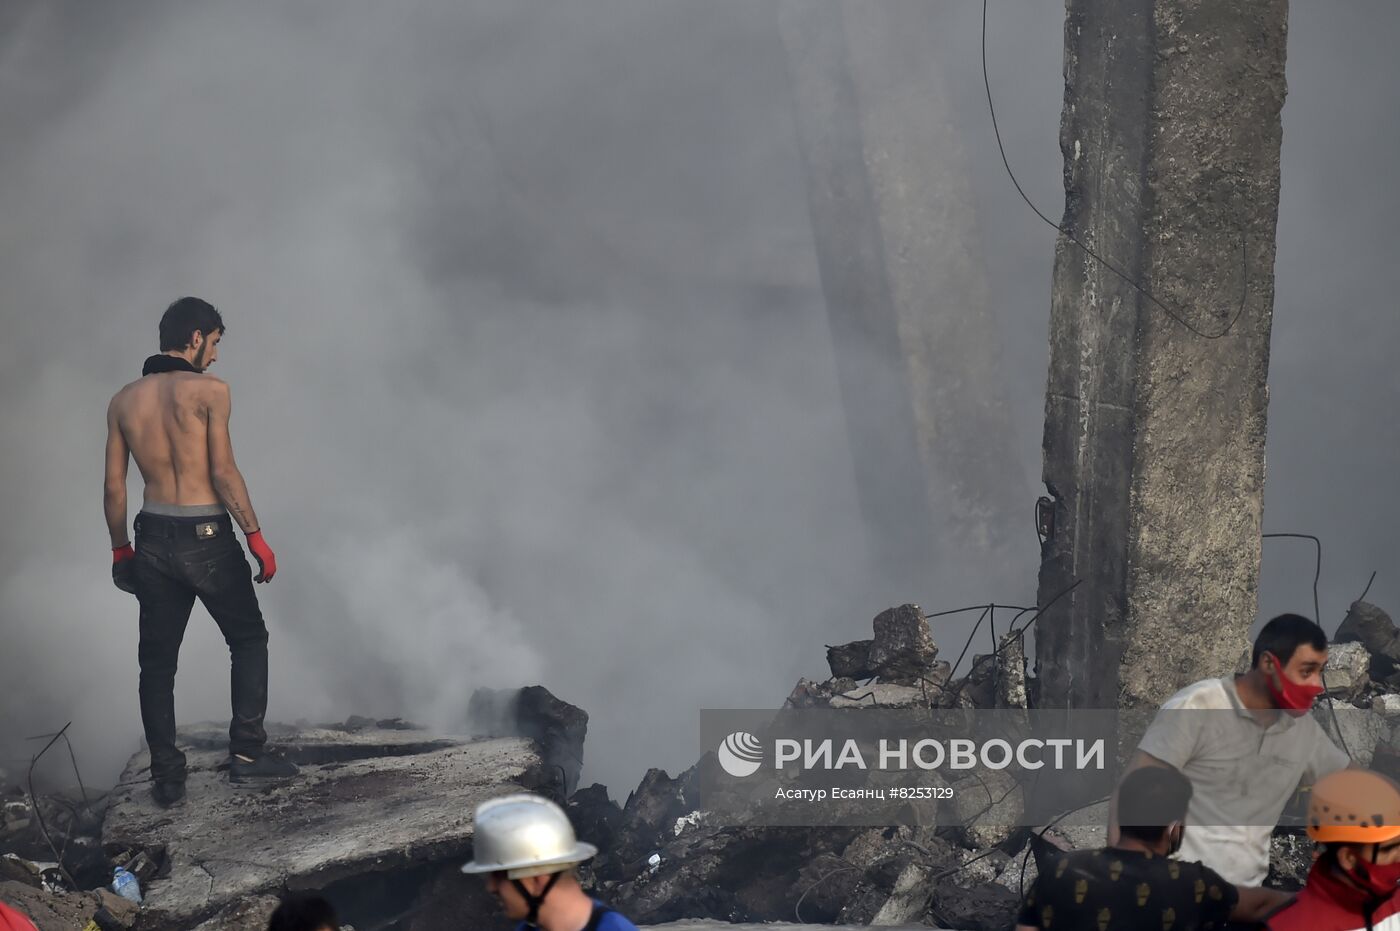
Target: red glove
(123, 569)
(267, 561)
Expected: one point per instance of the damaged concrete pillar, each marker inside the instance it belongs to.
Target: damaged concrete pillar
(918, 354)
(1154, 434)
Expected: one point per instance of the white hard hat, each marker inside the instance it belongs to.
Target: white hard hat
(525, 835)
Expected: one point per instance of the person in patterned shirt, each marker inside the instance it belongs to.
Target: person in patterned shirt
(1135, 884)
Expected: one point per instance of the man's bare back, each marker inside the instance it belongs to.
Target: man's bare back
(164, 422)
(175, 425)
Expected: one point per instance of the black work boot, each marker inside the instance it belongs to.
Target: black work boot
(168, 793)
(269, 764)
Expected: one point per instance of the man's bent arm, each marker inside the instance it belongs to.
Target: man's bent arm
(114, 482)
(223, 471)
(1139, 760)
(1256, 903)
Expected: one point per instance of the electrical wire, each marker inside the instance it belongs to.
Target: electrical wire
(1244, 256)
(1367, 589)
(1317, 570)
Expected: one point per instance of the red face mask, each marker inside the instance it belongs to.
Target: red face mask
(1293, 697)
(1381, 881)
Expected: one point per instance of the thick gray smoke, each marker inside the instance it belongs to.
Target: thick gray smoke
(532, 379)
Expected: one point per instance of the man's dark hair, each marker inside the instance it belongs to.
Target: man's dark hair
(305, 911)
(1285, 634)
(183, 317)
(1149, 799)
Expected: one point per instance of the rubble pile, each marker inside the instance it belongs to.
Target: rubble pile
(380, 818)
(663, 860)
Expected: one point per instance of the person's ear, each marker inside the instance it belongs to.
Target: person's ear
(1346, 858)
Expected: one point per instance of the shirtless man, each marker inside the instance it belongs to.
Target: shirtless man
(174, 421)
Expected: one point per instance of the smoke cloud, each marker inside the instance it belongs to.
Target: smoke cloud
(532, 377)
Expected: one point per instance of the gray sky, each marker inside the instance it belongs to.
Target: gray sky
(532, 381)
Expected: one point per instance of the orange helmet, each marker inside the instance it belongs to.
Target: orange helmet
(1354, 806)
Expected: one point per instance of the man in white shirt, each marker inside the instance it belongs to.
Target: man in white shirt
(1246, 744)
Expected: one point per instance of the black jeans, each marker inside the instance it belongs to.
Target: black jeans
(177, 560)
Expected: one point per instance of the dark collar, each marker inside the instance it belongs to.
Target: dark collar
(163, 363)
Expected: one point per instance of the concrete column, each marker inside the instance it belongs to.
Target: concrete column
(917, 351)
(1154, 435)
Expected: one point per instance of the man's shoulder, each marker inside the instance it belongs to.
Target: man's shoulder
(202, 382)
(1077, 863)
(1207, 694)
(122, 392)
(615, 921)
(202, 389)
(611, 920)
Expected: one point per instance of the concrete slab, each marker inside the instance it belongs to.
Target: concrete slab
(366, 801)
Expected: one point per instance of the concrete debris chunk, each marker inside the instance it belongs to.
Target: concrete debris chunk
(1358, 730)
(1372, 628)
(68, 912)
(14, 868)
(1348, 670)
(649, 816)
(851, 660)
(15, 815)
(883, 695)
(983, 907)
(449, 897)
(595, 815)
(809, 694)
(367, 803)
(988, 804)
(903, 651)
(1011, 672)
(1290, 858)
(1020, 872)
(1084, 829)
(893, 892)
(558, 727)
(250, 914)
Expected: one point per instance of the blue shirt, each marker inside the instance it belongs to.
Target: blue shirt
(612, 921)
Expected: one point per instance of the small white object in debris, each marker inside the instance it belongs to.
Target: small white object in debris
(653, 863)
(15, 816)
(692, 820)
(125, 885)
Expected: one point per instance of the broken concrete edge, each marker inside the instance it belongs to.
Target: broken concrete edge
(559, 727)
(901, 669)
(380, 812)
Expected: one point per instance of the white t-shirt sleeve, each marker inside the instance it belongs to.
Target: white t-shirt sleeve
(1173, 734)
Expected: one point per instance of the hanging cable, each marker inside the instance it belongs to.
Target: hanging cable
(1244, 257)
